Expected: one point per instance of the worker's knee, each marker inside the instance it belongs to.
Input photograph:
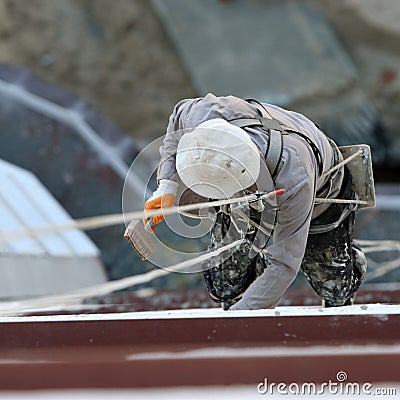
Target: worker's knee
(224, 285)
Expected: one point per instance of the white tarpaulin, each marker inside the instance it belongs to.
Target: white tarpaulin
(40, 264)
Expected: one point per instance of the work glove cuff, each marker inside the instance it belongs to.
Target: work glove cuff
(165, 186)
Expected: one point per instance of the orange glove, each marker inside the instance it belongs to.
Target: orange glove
(165, 201)
(163, 197)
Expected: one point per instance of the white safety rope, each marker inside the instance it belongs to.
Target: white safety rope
(76, 296)
(66, 300)
(382, 269)
(340, 201)
(371, 246)
(342, 163)
(377, 246)
(102, 221)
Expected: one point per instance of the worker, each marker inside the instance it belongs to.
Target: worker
(221, 147)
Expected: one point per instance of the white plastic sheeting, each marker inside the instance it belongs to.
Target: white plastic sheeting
(26, 204)
(40, 264)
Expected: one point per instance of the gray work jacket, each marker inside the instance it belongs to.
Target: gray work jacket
(297, 173)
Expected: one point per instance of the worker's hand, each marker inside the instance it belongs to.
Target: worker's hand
(163, 197)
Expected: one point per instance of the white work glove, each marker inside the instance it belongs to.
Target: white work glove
(163, 197)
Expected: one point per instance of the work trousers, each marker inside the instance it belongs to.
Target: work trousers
(333, 264)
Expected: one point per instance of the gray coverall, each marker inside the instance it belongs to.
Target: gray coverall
(297, 172)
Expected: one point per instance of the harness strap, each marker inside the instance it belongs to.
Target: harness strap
(263, 122)
(274, 151)
(316, 229)
(314, 148)
(276, 130)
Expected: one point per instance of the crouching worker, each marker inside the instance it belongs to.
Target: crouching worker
(223, 147)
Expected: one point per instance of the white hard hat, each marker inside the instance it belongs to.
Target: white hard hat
(217, 159)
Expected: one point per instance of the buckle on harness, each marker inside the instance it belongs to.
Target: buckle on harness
(268, 123)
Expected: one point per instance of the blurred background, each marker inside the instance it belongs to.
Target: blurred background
(85, 85)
